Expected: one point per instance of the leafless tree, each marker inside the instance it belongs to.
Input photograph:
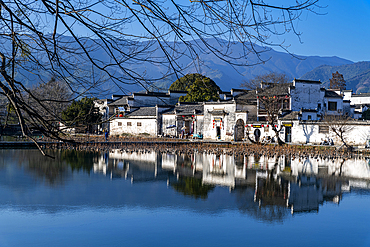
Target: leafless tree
(267, 79)
(50, 99)
(61, 39)
(3, 104)
(272, 96)
(340, 125)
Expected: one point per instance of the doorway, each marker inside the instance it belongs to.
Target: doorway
(239, 130)
(288, 134)
(218, 132)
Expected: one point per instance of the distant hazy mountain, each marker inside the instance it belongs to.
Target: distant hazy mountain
(221, 72)
(228, 77)
(357, 75)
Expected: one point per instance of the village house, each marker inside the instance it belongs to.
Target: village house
(128, 103)
(240, 115)
(225, 120)
(141, 121)
(120, 105)
(184, 120)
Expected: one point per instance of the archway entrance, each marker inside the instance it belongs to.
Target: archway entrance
(239, 130)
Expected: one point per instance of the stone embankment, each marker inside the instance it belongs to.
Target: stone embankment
(178, 146)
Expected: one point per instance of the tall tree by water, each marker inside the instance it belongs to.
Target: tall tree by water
(337, 81)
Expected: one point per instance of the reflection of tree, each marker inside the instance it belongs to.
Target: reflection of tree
(52, 171)
(193, 187)
(263, 212)
(271, 192)
(78, 160)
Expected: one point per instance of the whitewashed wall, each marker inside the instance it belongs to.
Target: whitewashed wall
(359, 99)
(228, 120)
(309, 133)
(339, 102)
(305, 95)
(148, 125)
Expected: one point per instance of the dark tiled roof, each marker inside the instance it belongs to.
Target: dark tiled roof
(187, 109)
(218, 112)
(309, 110)
(307, 81)
(361, 95)
(119, 102)
(239, 90)
(291, 116)
(247, 97)
(276, 89)
(143, 111)
(152, 94)
(331, 94)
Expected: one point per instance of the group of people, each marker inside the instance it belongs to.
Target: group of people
(328, 141)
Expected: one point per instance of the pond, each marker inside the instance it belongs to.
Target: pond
(147, 198)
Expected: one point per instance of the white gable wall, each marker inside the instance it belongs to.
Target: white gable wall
(305, 95)
(309, 132)
(133, 126)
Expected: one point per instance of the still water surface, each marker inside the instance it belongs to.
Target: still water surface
(152, 199)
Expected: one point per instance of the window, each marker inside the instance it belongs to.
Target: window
(119, 123)
(319, 106)
(324, 129)
(138, 124)
(332, 106)
(128, 123)
(286, 104)
(309, 117)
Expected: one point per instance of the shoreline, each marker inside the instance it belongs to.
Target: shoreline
(97, 143)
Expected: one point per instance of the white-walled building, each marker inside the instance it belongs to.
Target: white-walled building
(144, 120)
(225, 120)
(128, 103)
(183, 119)
(315, 132)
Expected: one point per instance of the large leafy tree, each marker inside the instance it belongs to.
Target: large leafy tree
(199, 87)
(68, 39)
(82, 113)
(187, 80)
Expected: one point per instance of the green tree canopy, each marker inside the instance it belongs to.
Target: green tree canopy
(366, 114)
(82, 113)
(193, 187)
(199, 88)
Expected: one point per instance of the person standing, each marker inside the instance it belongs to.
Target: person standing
(106, 135)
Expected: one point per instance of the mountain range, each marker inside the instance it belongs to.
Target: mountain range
(227, 76)
(356, 75)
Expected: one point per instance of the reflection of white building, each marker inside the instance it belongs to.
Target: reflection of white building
(304, 195)
(100, 166)
(137, 166)
(354, 168)
(220, 171)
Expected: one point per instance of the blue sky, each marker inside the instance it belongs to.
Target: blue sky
(344, 31)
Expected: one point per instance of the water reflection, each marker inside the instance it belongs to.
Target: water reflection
(266, 188)
(301, 184)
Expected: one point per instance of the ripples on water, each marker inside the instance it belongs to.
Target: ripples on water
(152, 199)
